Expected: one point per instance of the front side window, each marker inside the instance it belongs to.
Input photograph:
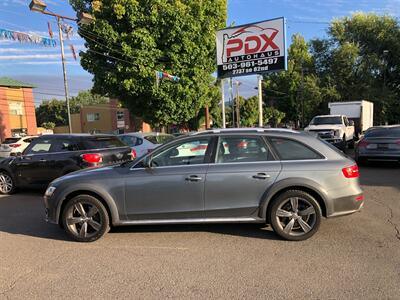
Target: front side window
(186, 153)
(242, 149)
(292, 150)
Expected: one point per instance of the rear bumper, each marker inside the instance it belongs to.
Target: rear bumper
(347, 205)
(379, 156)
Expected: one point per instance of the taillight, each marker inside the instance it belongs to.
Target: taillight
(133, 154)
(363, 143)
(14, 145)
(398, 142)
(351, 172)
(92, 158)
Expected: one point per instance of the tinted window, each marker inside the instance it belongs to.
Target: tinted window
(383, 132)
(11, 141)
(326, 120)
(158, 139)
(102, 142)
(292, 150)
(64, 145)
(185, 153)
(242, 149)
(28, 140)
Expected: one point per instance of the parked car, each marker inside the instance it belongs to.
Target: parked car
(14, 145)
(52, 156)
(144, 143)
(335, 129)
(281, 177)
(379, 143)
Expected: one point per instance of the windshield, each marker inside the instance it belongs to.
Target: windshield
(383, 132)
(159, 139)
(326, 120)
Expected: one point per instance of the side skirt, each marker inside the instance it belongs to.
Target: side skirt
(192, 221)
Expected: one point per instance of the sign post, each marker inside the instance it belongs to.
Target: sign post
(223, 104)
(260, 102)
(252, 49)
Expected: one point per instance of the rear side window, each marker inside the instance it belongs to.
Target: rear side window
(292, 150)
(102, 142)
(129, 140)
(242, 149)
(64, 145)
(40, 147)
(11, 141)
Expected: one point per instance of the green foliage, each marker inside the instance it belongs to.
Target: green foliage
(137, 37)
(55, 111)
(273, 116)
(48, 125)
(249, 112)
(351, 64)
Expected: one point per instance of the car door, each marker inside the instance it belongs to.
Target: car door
(173, 186)
(33, 167)
(243, 171)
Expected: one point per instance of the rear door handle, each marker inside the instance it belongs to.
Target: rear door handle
(193, 178)
(261, 176)
(42, 160)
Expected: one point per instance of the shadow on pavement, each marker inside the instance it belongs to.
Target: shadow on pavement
(23, 214)
(380, 174)
(259, 231)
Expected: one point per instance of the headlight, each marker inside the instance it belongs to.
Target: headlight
(50, 191)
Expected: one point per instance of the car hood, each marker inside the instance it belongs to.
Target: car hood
(323, 127)
(87, 173)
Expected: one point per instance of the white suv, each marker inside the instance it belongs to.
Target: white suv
(14, 145)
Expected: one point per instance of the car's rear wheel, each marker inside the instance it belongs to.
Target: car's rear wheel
(295, 215)
(7, 185)
(85, 219)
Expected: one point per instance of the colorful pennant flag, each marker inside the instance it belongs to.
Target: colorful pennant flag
(164, 75)
(22, 37)
(73, 51)
(50, 30)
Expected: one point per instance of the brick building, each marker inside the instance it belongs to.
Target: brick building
(17, 108)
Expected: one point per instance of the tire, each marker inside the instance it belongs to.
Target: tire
(85, 219)
(7, 184)
(352, 143)
(283, 212)
(344, 144)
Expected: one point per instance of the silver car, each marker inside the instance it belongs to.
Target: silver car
(284, 178)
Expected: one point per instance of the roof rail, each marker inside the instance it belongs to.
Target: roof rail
(233, 130)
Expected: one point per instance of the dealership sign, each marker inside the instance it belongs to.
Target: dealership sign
(251, 49)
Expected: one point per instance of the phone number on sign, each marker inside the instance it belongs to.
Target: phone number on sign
(250, 64)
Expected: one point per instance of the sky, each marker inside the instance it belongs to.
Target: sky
(41, 66)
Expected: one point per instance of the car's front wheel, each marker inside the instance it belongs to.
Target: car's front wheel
(7, 185)
(85, 218)
(295, 215)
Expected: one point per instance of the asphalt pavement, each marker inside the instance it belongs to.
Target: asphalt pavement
(352, 257)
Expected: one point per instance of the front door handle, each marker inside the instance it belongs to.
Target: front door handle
(261, 176)
(42, 160)
(193, 178)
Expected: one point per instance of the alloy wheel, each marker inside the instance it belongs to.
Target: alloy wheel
(296, 216)
(6, 183)
(84, 219)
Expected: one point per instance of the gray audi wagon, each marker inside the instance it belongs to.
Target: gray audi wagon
(284, 178)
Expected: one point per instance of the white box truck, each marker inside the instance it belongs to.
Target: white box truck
(361, 112)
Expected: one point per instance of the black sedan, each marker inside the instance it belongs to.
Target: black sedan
(381, 143)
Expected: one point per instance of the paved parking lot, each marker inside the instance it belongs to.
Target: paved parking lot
(350, 257)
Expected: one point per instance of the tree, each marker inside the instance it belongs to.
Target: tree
(130, 40)
(48, 125)
(249, 112)
(85, 98)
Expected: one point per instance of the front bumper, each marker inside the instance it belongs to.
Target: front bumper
(50, 211)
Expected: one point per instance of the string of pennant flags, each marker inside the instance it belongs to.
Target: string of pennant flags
(164, 75)
(23, 37)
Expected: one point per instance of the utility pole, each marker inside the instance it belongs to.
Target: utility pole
(223, 104)
(238, 83)
(260, 102)
(232, 101)
(302, 95)
(64, 73)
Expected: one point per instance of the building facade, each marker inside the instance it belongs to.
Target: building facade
(17, 108)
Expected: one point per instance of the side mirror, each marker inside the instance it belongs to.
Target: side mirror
(351, 123)
(19, 154)
(147, 162)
